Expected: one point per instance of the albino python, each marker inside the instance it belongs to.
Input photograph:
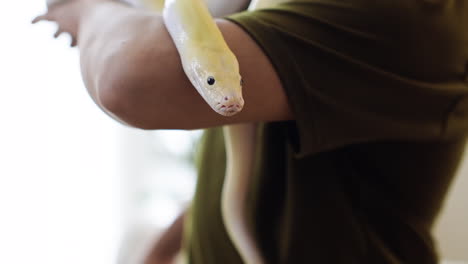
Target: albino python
(213, 70)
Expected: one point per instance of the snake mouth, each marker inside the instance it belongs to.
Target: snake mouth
(225, 111)
(229, 108)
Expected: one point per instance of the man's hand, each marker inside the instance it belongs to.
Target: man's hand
(67, 15)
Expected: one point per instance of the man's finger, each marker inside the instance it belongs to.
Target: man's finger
(58, 32)
(39, 18)
(74, 42)
(45, 17)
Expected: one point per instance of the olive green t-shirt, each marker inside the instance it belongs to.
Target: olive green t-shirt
(380, 99)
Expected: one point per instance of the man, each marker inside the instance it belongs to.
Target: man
(364, 112)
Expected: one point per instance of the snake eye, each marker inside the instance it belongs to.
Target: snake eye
(242, 82)
(211, 80)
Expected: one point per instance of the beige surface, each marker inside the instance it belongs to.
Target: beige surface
(452, 228)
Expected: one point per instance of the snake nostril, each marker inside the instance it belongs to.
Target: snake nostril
(226, 98)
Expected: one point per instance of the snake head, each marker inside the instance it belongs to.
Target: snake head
(223, 93)
(229, 105)
(218, 81)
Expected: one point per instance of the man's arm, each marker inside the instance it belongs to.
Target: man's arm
(132, 69)
(168, 244)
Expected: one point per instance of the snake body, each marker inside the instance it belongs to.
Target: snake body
(213, 70)
(205, 57)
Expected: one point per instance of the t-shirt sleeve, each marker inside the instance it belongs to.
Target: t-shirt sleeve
(345, 82)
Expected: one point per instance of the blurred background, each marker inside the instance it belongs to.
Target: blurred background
(75, 186)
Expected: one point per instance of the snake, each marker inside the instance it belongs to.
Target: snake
(214, 72)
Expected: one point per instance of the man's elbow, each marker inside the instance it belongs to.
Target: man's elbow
(122, 74)
(121, 93)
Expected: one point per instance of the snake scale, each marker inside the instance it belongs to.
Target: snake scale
(213, 70)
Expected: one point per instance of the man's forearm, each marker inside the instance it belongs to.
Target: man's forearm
(126, 57)
(101, 33)
(99, 37)
(169, 244)
(132, 69)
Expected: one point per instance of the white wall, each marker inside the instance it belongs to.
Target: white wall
(59, 185)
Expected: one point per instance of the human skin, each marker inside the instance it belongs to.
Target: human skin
(132, 69)
(165, 249)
